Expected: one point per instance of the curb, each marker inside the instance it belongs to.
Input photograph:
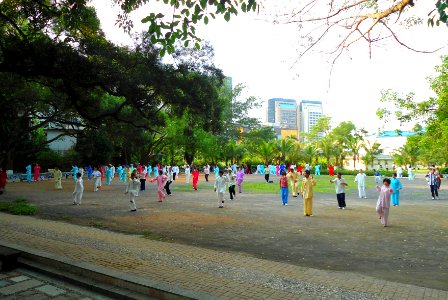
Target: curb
(111, 283)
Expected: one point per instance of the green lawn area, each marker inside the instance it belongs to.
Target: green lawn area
(323, 185)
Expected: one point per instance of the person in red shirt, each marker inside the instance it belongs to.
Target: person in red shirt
(331, 170)
(2, 180)
(36, 172)
(284, 188)
(299, 169)
(195, 178)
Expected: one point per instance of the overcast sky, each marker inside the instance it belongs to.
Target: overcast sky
(261, 55)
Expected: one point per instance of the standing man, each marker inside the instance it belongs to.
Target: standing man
(175, 170)
(308, 194)
(231, 179)
(78, 191)
(220, 188)
(432, 182)
(206, 172)
(361, 180)
(340, 190)
(266, 174)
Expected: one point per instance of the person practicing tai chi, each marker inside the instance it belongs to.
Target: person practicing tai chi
(231, 177)
(307, 190)
(195, 174)
(284, 188)
(240, 179)
(36, 172)
(28, 173)
(160, 185)
(79, 190)
(293, 181)
(396, 186)
(220, 188)
(383, 203)
(340, 190)
(361, 180)
(187, 173)
(132, 188)
(96, 179)
(57, 175)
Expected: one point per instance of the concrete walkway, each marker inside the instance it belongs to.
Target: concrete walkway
(190, 271)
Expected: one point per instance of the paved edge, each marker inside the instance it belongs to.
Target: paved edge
(110, 282)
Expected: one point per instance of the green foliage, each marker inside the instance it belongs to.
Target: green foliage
(185, 15)
(18, 207)
(439, 15)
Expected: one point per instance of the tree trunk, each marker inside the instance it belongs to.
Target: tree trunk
(189, 157)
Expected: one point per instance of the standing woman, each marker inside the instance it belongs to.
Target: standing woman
(396, 186)
(383, 203)
(187, 173)
(36, 172)
(28, 173)
(240, 179)
(196, 178)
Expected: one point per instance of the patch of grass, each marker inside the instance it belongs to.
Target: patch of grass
(19, 207)
(96, 224)
(147, 234)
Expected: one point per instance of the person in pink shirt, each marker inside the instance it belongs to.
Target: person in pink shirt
(383, 203)
(240, 179)
(160, 185)
(36, 172)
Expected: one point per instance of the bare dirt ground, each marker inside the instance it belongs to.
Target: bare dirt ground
(414, 249)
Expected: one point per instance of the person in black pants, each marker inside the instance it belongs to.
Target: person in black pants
(266, 173)
(340, 190)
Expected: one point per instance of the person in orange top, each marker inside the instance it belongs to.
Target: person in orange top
(195, 178)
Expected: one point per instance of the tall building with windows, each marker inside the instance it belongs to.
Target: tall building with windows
(308, 112)
(282, 112)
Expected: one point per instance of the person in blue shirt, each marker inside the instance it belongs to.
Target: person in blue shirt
(396, 186)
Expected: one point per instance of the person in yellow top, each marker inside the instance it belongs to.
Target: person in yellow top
(57, 175)
(308, 194)
(293, 181)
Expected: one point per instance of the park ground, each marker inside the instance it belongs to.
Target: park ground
(413, 249)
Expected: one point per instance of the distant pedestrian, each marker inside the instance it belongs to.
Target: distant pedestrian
(169, 180)
(410, 173)
(383, 203)
(79, 189)
(331, 170)
(36, 172)
(206, 172)
(97, 179)
(340, 190)
(284, 188)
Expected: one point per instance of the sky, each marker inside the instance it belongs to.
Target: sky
(260, 55)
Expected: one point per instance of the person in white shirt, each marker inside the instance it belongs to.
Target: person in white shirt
(231, 179)
(132, 188)
(206, 172)
(220, 188)
(97, 179)
(340, 190)
(79, 189)
(169, 175)
(187, 173)
(361, 180)
(399, 172)
(175, 171)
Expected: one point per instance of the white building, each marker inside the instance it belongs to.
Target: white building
(308, 112)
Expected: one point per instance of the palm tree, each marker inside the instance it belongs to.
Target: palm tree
(310, 152)
(325, 146)
(372, 150)
(354, 144)
(284, 146)
(266, 151)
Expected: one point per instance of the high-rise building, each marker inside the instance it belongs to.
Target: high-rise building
(283, 112)
(308, 112)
